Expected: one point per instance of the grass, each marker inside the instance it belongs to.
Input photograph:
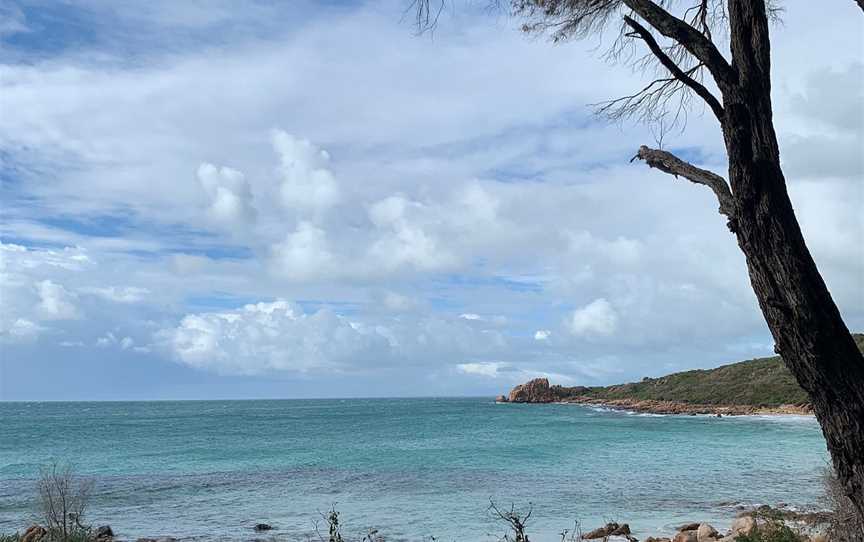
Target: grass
(764, 382)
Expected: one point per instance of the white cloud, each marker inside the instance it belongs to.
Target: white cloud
(118, 294)
(487, 368)
(304, 254)
(228, 193)
(56, 303)
(597, 318)
(470, 316)
(276, 336)
(306, 182)
(542, 334)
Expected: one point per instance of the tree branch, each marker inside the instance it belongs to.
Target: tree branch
(696, 43)
(669, 163)
(676, 71)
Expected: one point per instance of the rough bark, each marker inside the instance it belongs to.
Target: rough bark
(669, 163)
(807, 327)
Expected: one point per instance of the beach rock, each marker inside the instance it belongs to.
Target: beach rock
(501, 399)
(533, 391)
(263, 527)
(652, 539)
(706, 533)
(686, 536)
(34, 533)
(608, 530)
(743, 525)
(689, 527)
(623, 530)
(104, 532)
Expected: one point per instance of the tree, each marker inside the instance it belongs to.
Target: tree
(807, 327)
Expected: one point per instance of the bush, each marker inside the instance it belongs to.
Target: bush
(773, 531)
(63, 500)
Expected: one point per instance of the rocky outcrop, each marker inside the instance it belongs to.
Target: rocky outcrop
(533, 391)
(104, 533)
(263, 527)
(539, 391)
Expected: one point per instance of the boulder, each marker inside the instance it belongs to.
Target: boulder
(623, 530)
(819, 537)
(743, 525)
(34, 533)
(605, 531)
(689, 527)
(706, 533)
(104, 532)
(501, 399)
(533, 391)
(652, 539)
(263, 527)
(686, 536)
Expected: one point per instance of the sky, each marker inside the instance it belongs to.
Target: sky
(224, 199)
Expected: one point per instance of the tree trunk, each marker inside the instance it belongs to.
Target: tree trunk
(807, 327)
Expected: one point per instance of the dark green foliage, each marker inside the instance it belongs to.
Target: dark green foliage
(759, 382)
(773, 532)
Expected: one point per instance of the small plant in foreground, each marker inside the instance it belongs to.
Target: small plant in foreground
(773, 531)
(516, 520)
(63, 501)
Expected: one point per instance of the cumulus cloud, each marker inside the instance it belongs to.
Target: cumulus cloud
(306, 182)
(264, 337)
(228, 193)
(597, 318)
(55, 302)
(279, 336)
(304, 254)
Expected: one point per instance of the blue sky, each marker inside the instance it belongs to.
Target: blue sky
(233, 200)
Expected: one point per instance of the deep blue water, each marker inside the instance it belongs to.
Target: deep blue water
(410, 467)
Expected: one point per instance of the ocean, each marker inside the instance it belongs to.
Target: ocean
(412, 468)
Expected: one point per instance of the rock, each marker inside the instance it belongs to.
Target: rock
(652, 539)
(819, 537)
(104, 532)
(34, 533)
(744, 525)
(686, 536)
(160, 539)
(689, 527)
(706, 533)
(263, 527)
(603, 532)
(501, 399)
(623, 530)
(533, 391)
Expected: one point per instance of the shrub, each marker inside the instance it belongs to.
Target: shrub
(773, 531)
(63, 500)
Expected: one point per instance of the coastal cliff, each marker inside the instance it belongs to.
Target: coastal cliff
(757, 386)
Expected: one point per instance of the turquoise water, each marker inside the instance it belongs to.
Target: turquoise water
(410, 467)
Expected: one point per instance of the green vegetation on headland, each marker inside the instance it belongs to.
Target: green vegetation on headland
(763, 383)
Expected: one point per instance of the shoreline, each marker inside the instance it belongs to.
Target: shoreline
(676, 408)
